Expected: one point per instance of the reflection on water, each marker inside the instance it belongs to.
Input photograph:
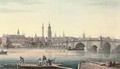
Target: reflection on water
(69, 58)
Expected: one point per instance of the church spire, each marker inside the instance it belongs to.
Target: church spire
(63, 34)
(18, 32)
(49, 23)
(55, 35)
(49, 33)
(83, 35)
(35, 35)
(43, 39)
(42, 29)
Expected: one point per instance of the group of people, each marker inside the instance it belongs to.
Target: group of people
(42, 61)
(111, 64)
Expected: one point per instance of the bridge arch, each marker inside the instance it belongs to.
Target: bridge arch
(117, 49)
(106, 47)
(94, 48)
(80, 46)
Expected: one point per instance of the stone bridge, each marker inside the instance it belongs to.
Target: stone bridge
(94, 44)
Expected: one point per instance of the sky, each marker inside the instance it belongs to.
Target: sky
(93, 17)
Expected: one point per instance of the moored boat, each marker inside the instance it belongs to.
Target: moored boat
(3, 52)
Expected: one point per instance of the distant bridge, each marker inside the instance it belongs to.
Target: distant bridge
(94, 44)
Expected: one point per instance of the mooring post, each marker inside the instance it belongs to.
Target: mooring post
(79, 65)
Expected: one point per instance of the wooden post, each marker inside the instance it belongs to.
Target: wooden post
(79, 65)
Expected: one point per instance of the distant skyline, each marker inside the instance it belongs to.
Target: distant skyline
(93, 17)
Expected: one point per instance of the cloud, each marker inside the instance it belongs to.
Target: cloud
(56, 5)
(7, 10)
(96, 3)
(23, 1)
(20, 6)
(105, 3)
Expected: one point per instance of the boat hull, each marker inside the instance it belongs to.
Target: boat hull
(5, 52)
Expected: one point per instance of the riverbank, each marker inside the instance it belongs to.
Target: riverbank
(98, 65)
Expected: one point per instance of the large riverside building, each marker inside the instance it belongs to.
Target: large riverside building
(13, 40)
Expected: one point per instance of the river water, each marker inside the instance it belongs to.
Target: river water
(68, 58)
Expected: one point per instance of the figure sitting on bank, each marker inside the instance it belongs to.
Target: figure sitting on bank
(50, 62)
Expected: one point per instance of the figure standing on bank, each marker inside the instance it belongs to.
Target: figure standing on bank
(40, 61)
(44, 60)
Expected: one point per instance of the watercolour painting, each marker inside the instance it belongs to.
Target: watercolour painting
(59, 34)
